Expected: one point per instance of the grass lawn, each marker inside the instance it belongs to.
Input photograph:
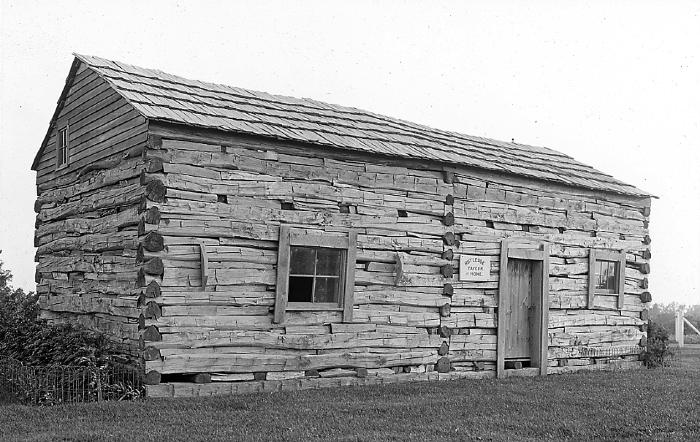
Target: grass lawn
(644, 404)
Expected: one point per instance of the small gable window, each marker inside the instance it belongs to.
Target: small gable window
(62, 147)
(606, 277)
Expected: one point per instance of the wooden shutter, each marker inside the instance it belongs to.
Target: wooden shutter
(349, 289)
(591, 277)
(282, 274)
(622, 260)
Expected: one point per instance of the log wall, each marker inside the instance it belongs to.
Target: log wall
(87, 243)
(411, 315)
(88, 212)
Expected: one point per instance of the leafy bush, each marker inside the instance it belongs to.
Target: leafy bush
(657, 351)
(31, 340)
(34, 354)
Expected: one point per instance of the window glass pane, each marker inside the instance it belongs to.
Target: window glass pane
(316, 274)
(606, 275)
(327, 290)
(599, 271)
(62, 141)
(612, 276)
(300, 289)
(329, 262)
(302, 260)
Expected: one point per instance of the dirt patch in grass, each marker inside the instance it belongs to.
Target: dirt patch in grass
(632, 405)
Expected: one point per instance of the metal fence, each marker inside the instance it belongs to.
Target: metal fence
(52, 385)
(622, 350)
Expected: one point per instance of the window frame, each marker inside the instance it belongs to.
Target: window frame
(63, 152)
(291, 236)
(618, 257)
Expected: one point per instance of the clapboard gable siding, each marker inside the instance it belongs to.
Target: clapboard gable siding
(102, 124)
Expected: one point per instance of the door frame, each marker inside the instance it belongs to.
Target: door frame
(530, 252)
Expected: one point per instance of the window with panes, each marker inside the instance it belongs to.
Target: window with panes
(62, 147)
(315, 271)
(606, 276)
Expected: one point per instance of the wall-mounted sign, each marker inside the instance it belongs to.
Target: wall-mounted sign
(474, 267)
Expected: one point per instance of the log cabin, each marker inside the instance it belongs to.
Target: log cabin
(238, 241)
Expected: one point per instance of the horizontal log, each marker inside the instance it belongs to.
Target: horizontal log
(581, 318)
(230, 322)
(216, 310)
(96, 262)
(100, 242)
(223, 340)
(125, 171)
(244, 296)
(122, 196)
(81, 226)
(125, 307)
(427, 319)
(396, 297)
(181, 389)
(238, 363)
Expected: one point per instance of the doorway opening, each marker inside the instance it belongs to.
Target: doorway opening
(523, 307)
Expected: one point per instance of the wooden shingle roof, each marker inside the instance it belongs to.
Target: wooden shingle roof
(164, 97)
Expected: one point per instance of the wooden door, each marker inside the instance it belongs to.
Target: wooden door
(523, 308)
(519, 308)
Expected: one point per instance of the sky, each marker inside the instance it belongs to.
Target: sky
(613, 84)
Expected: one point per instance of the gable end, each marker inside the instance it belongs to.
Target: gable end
(102, 123)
